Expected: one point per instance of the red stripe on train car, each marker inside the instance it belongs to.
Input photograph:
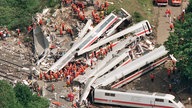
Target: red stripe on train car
(97, 37)
(139, 72)
(131, 103)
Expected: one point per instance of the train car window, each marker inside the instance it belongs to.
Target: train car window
(107, 94)
(110, 94)
(170, 101)
(159, 100)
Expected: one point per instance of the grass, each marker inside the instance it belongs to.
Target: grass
(142, 7)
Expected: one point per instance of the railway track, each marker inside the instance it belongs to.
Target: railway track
(8, 76)
(11, 64)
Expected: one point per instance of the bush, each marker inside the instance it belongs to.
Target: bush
(137, 17)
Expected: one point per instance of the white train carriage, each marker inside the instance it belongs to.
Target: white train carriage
(135, 99)
(136, 74)
(140, 29)
(129, 68)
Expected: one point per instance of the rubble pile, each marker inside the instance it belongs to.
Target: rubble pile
(61, 28)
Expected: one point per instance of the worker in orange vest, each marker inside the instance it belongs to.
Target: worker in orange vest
(106, 4)
(171, 26)
(29, 28)
(91, 62)
(170, 87)
(152, 77)
(51, 77)
(168, 72)
(111, 46)
(63, 26)
(19, 43)
(166, 13)
(169, 12)
(1, 35)
(55, 27)
(40, 22)
(52, 87)
(61, 31)
(18, 31)
(40, 76)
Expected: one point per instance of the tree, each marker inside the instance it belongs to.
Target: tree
(38, 102)
(27, 99)
(180, 44)
(189, 8)
(23, 94)
(7, 96)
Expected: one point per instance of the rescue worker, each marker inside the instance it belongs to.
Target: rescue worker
(1, 35)
(105, 51)
(61, 31)
(40, 22)
(51, 77)
(152, 77)
(91, 62)
(40, 76)
(166, 13)
(52, 87)
(168, 72)
(29, 28)
(55, 27)
(63, 26)
(18, 31)
(101, 52)
(106, 4)
(171, 26)
(68, 80)
(70, 31)
(81, 16)
(169, 12)
(19, 43)
(170, 87)
(111, 46)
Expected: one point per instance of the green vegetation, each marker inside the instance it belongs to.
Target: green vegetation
(140, 9)
(137, 17)
(180, 44)
(7, 96)
(19, 97)
(18, 13)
